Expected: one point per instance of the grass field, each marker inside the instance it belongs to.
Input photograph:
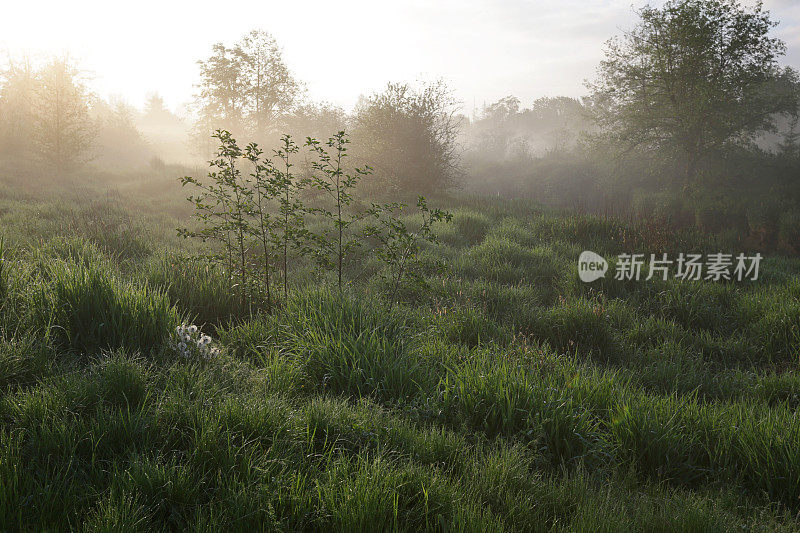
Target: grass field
(505, 395)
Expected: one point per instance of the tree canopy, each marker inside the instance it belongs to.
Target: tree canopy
(691, 77)
(245, 89)
(410, 136)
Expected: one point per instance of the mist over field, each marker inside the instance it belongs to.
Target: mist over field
(496, 266)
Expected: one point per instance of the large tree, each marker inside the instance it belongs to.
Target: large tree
(245, 89)
(271, 90)
(220, 100)
(691, 77)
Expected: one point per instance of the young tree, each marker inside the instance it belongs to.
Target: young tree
(410, 136)
(63, 129)
(331, 177)
(224, 206)
(291, 208)
(692, 76)
(264, 191)
(399, 246)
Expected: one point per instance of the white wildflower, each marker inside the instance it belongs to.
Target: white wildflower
(191, 342)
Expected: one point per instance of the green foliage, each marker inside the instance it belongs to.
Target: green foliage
(333, 245)
(267, 210)
(90, 309)
(533, 404)
(661, 86)
(291, 209)
(222, 208)
(398, 246)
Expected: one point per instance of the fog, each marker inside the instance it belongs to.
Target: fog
(485, 50)
(564, 103)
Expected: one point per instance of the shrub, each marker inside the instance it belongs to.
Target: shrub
(410, 136)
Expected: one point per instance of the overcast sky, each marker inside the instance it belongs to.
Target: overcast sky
(484, 49)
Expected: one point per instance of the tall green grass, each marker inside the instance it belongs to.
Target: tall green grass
(501, 394)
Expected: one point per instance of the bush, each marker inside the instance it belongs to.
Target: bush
(410, 137)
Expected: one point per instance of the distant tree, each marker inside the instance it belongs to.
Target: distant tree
(559, 121)
(245, 89)
(317, 120)
(271, 90)
(506, 131)
(691, 77)
(63, 129)
(119, 141)
(17, 88)
(503, 109)
(154, 105)
(120, 115)
(410, 136)
(221, 99)
(496, 126)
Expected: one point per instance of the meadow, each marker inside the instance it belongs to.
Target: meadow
(499, 394)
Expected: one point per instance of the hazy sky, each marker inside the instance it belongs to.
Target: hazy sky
(483, 49)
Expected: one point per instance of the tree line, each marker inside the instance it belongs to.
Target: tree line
(691, 119)
(408, 133)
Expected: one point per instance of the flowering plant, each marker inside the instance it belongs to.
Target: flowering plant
(189, 342)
